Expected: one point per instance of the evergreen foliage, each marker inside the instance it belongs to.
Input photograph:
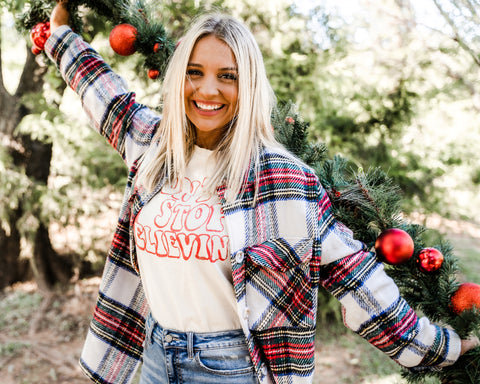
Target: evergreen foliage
(366, 201)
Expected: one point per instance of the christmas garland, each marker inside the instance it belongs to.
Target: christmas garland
(366, 201)
(135, 29)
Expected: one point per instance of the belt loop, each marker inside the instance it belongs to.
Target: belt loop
(149, 328)
(190, 345)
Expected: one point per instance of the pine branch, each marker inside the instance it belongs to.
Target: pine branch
(138, 13)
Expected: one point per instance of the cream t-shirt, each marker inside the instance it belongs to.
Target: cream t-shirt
(183, 256)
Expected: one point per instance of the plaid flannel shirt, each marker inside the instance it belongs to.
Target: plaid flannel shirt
(281, 250)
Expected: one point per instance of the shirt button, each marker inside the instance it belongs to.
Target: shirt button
(239, 257)
(168, 338)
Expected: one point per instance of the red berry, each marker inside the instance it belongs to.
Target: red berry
(157, 47)
(429, 260)
(466, 297)
(153, 73)
(394, 246)
(123, 39)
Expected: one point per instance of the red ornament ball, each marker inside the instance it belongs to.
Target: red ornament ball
(39, 35)
(123, 39)
(394, 246)
(153, 73)
(429, 260)
(466, 297)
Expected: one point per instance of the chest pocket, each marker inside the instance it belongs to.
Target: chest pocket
(278, 284)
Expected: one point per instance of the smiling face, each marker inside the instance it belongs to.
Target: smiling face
(211, 90)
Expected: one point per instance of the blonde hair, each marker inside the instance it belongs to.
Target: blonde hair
(241, 145)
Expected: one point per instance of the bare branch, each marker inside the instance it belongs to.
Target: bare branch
(457, 36)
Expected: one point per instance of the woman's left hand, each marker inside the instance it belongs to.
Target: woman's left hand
(60, 15)
(469, 344)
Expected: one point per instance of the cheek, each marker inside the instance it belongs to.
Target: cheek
(189, 89)
(233, 96)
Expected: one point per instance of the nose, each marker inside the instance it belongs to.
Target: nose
(208, 86)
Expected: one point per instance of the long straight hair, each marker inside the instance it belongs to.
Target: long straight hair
(251, 129)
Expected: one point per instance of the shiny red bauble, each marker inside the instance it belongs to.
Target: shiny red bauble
(123, 39)
(466, 297)
(394, 246)
(429, 260)
(39, 35)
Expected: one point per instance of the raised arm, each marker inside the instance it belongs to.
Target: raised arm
(111, 108)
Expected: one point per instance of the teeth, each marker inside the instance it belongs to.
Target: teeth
(209, 107)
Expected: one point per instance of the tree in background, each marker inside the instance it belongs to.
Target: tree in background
(376, 82)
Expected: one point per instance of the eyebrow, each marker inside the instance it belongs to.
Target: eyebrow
(221, 69)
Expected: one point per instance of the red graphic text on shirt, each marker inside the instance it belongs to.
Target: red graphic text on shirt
(187, 225)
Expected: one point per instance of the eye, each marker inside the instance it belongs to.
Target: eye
(228, 76)
(193, 73)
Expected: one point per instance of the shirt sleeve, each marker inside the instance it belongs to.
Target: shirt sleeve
(371, 302)
(112, 110)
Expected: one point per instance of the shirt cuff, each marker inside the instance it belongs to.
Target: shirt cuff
(445, 351)
(454, 350)
(57, 40)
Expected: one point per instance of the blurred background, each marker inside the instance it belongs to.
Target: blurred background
(391, 84)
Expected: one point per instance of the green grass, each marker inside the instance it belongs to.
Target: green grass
(13, 348)
(16, 309)
(468, 253)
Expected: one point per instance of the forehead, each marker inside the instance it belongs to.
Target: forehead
(211, 50)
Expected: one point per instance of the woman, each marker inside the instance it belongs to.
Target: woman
(224, 237)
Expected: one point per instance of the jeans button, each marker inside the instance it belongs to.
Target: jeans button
(168, 338)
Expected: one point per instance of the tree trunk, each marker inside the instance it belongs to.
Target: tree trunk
(34, 156)
(14, 268)
(48, 267)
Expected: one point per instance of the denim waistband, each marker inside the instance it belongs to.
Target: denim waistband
(192, 341)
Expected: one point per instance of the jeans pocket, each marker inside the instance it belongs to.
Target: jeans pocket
(225, 361)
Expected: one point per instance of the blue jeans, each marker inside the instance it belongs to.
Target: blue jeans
(172, 357)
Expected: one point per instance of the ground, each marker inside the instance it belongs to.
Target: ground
(41, 335)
